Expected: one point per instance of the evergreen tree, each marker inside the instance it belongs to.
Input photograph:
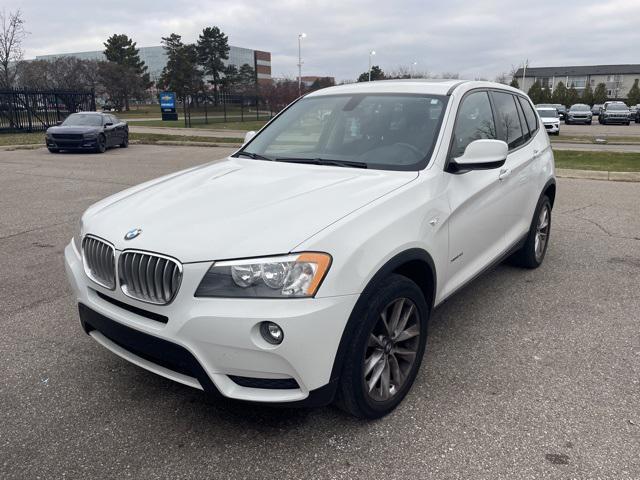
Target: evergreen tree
(535, 93)
(633, 97)
(587, 95)
(133, 78)
(559, 94)
(600, 93)
(572, 96)
(181, 74)
(212, 49)
(514, 83)
(376, 74)
(247, 76)
(546, 96)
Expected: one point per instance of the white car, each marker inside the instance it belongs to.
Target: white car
(304, 268)
(550, 120)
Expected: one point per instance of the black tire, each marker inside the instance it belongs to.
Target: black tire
(125, 141)
(567, 122)
(589, 122)
(353, 395)
(101, 145)
(54, 150)
(628, 123)
(528, 256)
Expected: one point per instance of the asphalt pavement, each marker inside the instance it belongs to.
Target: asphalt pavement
(527, 374)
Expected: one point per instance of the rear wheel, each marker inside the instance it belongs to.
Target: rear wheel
(534, 249)
(386, 350)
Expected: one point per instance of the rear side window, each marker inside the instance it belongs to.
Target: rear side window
(474, 121)
(523, 122)
(509, 128)
(530, 115)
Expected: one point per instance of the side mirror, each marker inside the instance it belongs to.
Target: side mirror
(248, 136)
(481, 154)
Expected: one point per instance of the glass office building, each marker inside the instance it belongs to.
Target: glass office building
(155, 58)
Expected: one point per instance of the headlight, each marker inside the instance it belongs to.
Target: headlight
(77, 236)
(292, 276)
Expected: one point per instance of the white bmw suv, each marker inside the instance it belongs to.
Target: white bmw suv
(303, 269)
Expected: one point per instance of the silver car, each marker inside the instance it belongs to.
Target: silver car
(579, 113)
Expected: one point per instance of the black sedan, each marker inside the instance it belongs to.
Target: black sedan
(88, 131)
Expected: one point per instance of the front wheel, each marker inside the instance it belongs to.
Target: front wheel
(54, 150)
(101, 145)
(125, 141)
(386, 349)
(534, 249)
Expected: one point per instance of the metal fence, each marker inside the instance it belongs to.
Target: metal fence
(204, 108)
(34, 110)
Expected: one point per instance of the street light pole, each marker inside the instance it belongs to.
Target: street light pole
(524, 72)
(371, 53)
(300, 37)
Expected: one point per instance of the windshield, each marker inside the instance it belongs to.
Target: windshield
(545, 105)
(580, 108)
(83, 120)
(617, 106)
(384, 131)
(547, 112)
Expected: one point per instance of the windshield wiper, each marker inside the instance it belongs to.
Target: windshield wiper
(324, 161)
(255, 156)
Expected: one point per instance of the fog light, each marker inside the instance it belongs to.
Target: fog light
(272, 333)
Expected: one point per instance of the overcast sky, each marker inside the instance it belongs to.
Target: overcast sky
(477, 38)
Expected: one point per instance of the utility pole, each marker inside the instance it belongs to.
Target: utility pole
(371, 53)
(524, 72)
(300, 37)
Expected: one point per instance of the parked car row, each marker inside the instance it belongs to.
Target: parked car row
(611, 112)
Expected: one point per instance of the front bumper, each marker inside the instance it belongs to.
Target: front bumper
(616, 119)
(552, 127)
(68, 144)
(220, 335)
(580, 119)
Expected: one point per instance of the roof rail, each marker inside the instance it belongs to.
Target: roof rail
(456, 85)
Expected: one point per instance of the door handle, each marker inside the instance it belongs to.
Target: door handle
(504, 173)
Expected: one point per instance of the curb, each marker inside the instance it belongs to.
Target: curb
(177, 143)
(598, 175)
(29, 146)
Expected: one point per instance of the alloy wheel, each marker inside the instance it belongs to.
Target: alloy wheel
(391, 349)
(542, 233)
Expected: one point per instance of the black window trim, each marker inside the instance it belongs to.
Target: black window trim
(532, 132)
(455, 122)
(493, 112)
(499, 126)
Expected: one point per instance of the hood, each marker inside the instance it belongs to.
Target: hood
(237, 208)
(73, 129)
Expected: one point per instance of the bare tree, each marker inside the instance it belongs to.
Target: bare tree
(12, 33)
(503, 78)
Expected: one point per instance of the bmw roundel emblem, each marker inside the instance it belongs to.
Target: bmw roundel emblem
(133, 233)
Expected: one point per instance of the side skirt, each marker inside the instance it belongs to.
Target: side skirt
(510, 251)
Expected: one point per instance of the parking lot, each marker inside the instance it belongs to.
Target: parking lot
(528, 374)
